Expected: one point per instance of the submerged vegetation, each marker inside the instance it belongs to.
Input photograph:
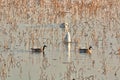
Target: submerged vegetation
(32, 23)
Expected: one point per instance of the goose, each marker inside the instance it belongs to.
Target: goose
(89, 51)
(67, 38)
(38, 50)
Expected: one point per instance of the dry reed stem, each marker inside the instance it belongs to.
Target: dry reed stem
(3, 72)
(117, 71)
(5, 45)
(109, 10)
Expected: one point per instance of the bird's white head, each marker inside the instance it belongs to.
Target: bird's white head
(64, 26)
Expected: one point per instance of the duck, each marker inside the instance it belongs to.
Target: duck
(89, 51)
(38, 50)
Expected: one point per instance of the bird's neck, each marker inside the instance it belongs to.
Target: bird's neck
(66, 29)
(43, 48)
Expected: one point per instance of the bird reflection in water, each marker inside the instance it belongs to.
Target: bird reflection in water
(67, 38)
(67, 46)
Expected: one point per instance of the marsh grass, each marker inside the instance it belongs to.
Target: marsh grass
(93, 22)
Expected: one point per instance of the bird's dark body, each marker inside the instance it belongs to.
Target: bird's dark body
(83, 50)
(86, 50)
(36, 50)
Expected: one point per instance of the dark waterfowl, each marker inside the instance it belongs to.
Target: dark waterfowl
(38, 50)
(86, 50)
